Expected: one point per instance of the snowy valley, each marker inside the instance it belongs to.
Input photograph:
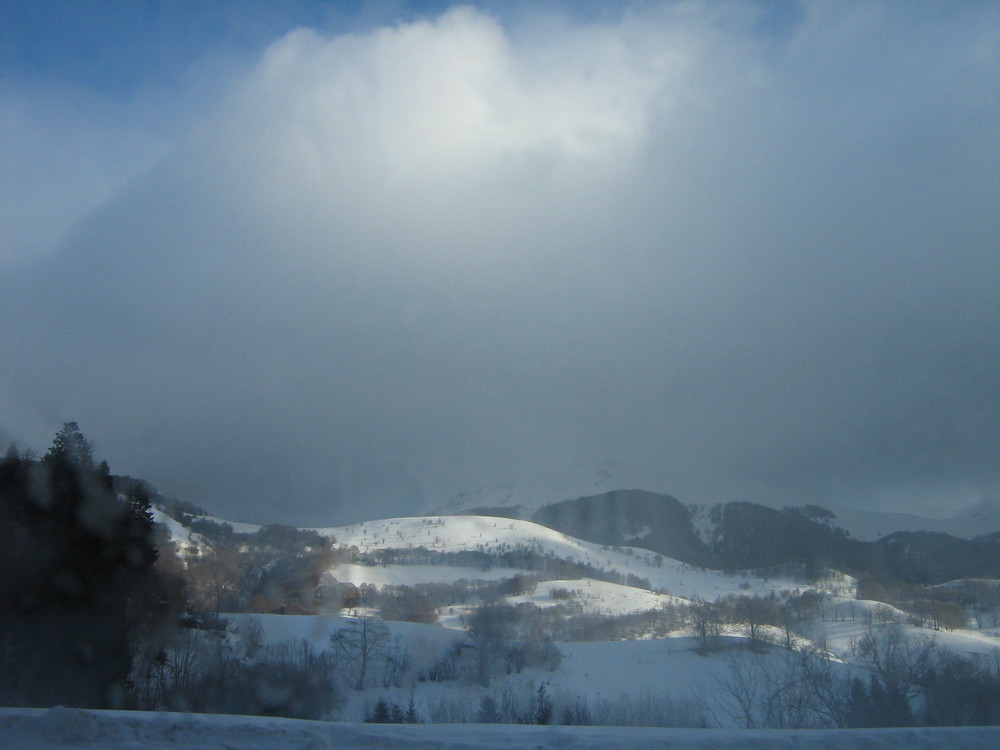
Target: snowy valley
(491, 618)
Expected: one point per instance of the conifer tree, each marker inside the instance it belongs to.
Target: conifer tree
(76, 578)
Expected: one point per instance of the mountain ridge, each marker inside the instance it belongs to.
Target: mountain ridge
(740, 535)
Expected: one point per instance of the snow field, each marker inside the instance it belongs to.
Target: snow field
(618, 671)
(425, 643)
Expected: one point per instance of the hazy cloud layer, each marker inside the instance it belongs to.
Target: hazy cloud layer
(701, 248)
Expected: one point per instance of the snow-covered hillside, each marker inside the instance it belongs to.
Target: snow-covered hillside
(630, 667)
(179, 533)
(494, 535)
(625, 621)
(666, 581)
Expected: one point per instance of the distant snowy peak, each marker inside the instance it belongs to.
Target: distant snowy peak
(869, 525)
(524, 499)
(978, 519)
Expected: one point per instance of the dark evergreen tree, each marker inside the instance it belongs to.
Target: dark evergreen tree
(543, 706)
(412, 716)
(76, 578)
(381, 713)
(488, 711)
(72, 447)
(880, 705)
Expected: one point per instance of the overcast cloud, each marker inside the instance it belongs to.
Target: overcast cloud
(703, 249)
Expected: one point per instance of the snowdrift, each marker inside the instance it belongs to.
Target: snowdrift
(45, 729)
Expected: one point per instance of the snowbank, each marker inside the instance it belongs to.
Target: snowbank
(41, 729)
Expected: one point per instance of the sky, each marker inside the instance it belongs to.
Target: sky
(315, 262)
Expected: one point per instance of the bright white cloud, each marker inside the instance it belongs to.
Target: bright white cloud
(681, 245)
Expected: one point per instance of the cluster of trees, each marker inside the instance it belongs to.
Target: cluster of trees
(979, 598)
(500, 643)
(763, 620)
(524, 557)
(277, 569)
(202, 672)
(422, 602)
(534, 707)
(507, 703)
(778, 619)
(757, 618)
(79, 586)
(502, 705)
(642, 709)
(232, 670)
(386, 711)
(897, 681)
(746, 535)
(94, 614)
(566, 621)
(226, 668)
(939, 607)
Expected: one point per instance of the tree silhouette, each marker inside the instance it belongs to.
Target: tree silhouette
(72, 447)
(76, 578)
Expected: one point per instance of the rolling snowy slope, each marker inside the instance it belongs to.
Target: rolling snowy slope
(494, 535)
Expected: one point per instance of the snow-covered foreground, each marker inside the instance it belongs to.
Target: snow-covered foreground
(619, 670)
(41, 729)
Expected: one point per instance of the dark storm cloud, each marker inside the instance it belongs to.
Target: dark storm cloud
(699, 249)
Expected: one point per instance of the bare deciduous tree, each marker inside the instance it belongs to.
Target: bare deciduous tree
(360, 645)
